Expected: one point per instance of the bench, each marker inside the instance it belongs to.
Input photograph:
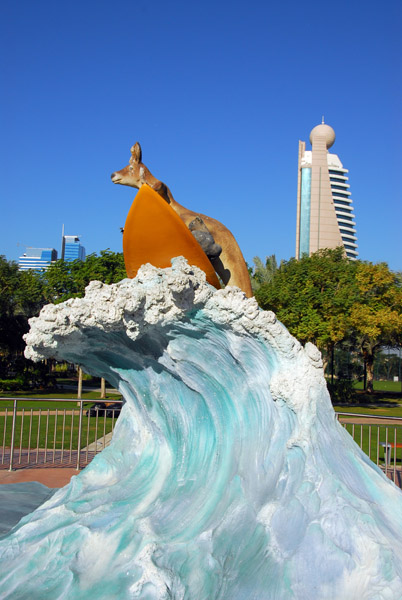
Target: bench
(388, 450)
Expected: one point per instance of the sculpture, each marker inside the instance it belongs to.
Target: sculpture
(211, 234)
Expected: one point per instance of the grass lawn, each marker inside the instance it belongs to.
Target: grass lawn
(385, 401)
(384, 386)
(381, 409)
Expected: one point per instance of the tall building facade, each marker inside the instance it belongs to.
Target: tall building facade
(71, 248)
(325, 217)
(37, 259)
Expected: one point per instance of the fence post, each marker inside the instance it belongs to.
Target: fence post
(79, 391)
(13, 435)
(79, 436)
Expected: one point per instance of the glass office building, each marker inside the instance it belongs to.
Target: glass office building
(71, 248)
(37, 259)
(325, 217)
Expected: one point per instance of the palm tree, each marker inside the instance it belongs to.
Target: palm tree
(261, 273)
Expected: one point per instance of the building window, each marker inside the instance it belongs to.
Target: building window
(305, 202)
(341, 210)
(341, 195)
(343, 202)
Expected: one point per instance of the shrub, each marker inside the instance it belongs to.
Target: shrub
(341, 391)
(11, 385)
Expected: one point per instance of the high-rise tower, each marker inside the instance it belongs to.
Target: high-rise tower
(71, 248)
(325, 217)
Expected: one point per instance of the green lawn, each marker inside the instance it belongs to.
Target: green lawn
(385, 401)
(385, 386)
(386, 409)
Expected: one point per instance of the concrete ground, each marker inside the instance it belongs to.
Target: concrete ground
(53, 478)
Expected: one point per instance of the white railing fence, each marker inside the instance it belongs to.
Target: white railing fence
(54, 436)
(380, 438)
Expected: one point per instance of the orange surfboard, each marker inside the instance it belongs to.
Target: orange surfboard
(155, 234)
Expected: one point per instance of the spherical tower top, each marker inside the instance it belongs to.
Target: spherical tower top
(323, 130)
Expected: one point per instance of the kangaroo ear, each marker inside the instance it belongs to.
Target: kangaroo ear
(136, 152)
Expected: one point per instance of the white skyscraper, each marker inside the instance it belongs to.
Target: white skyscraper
(325, 217)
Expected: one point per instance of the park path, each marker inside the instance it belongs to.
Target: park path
(369, 420)
(51, 477)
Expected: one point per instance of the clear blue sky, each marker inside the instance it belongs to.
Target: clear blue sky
(217, 93)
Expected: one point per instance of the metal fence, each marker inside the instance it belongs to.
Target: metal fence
(54, 436)
(380, 438)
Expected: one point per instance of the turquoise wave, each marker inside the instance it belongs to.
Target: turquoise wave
(228, 476)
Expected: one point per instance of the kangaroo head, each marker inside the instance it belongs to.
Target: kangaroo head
(135, 174)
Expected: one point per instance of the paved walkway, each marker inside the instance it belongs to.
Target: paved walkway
(53, 478)
(370, 420)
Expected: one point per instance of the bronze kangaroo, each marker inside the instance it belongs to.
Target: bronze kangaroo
(230, 265)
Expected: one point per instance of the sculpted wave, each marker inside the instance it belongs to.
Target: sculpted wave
(228, 476)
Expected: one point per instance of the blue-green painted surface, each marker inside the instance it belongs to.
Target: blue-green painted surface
(305, 206)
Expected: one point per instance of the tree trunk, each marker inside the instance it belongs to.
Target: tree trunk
(369, 361)
(364, 375)
(327, 355)
(103, 388)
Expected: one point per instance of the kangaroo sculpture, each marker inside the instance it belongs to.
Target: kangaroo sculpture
(228, 263)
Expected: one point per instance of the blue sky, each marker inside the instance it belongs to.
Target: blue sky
(217, 93)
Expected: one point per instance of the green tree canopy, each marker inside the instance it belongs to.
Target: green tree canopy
(313, 296)
(23, 293)
(327, 299)
(262, 273)
(11, 326)
(376, 316)
(64, 280)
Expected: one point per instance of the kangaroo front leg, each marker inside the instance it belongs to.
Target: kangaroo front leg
(205, 239)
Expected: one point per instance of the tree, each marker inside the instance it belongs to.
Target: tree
(21, 297)
(376, 316)
(327, 299)
(108, 267)
(263, 274)
(23, 294)
(11, 327)
(58, 282)
(64, 280)
(313, 297)
(387, 363)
